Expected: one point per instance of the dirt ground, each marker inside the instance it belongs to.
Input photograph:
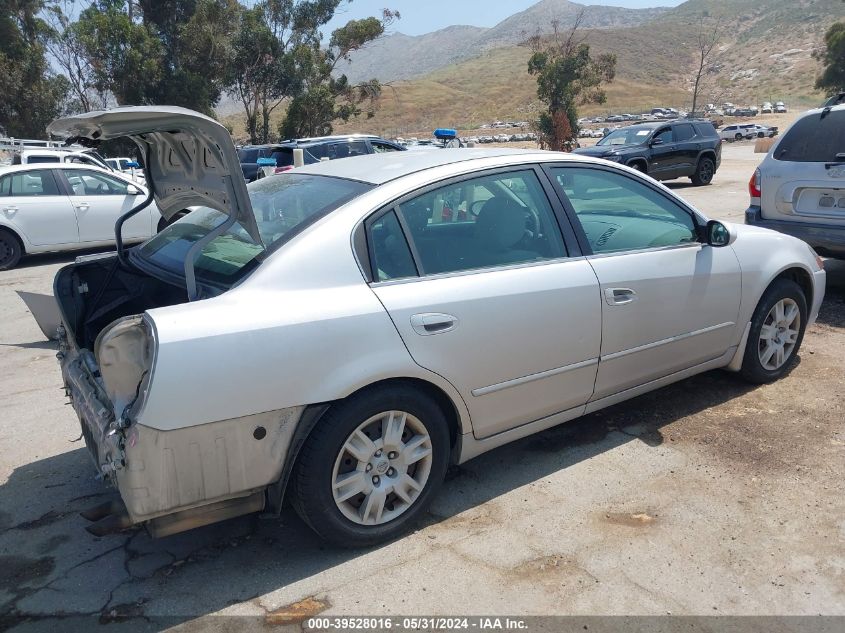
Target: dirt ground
(709, 497)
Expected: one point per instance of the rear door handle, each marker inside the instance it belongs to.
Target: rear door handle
(619, 296)
(10, 210)
(428, 323)
(82, 206)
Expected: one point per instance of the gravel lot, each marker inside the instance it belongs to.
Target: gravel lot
(706, 497)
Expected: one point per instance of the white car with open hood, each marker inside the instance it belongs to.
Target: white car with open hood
(341, 333)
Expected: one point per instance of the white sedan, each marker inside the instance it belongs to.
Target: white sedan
(341, 333)
(63, 206)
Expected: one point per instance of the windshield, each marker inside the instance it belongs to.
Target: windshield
(626, 136)
(283, 206)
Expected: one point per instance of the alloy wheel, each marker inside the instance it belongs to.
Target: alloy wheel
(779, 334)
(382, 468)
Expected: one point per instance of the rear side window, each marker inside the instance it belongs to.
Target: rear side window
(705, 129)
(248, 155)
(816, 138)
(31, 183)
(42, 159)
(391, 256)
(684, 132)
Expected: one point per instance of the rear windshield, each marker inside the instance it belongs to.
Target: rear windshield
(816, 138)
(283, 206)
(249, 155)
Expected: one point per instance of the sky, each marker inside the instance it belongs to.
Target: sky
(424, 16)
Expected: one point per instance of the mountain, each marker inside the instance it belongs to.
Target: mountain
(401, 56)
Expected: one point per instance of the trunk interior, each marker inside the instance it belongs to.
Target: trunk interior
(93, 294)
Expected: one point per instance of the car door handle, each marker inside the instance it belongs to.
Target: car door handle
(11, 210)
(82, 206)
(429, 323)
(619, 296)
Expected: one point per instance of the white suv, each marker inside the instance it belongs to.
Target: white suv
(737, 132)
(799, 188)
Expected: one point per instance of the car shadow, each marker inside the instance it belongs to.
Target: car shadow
(832, 311)
(58, 569)
(63, 257)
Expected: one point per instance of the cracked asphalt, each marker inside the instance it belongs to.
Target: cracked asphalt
(707, 497)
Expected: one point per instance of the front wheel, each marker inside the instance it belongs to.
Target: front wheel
(777, 329)
(371, 466)
(704, 172)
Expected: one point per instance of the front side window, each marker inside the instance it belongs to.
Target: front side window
(493, 220)
(283, 206)
(664, 135)
(619, 213)
(379, 147)
(84, 182)
(29, 183)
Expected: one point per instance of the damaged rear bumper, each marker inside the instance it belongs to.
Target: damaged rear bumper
(176, 479)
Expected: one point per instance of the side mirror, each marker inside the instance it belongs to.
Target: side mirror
(656, 141)
(132, 190)
(717, 234)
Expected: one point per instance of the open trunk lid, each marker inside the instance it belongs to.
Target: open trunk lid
(190, 159)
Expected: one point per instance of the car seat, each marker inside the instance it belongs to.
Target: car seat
(499, 228)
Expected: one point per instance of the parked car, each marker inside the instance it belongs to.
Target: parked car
(128, 167)
(314, 149)
(48, 207)
(664, 150)
(762, 131)
(738, 131)
(348, 335)
(780, 107)
(799, 188)
(766, 108)
(39, 155)
(744, 112)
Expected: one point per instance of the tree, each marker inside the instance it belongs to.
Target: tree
(31, 95)
(67, 49)
(327, 98)
(832, 79)
(567, 76)
(707, 39)
(277, 57)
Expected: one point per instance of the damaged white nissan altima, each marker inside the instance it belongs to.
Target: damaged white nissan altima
(340, 334)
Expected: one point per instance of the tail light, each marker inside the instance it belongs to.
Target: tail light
(279, 170)
(754, 184)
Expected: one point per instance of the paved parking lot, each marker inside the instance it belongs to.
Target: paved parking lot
(706, 497)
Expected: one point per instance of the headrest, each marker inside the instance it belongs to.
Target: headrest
(500, 223)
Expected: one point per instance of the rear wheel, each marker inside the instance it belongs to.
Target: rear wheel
(10, 250)
(163, 223)
(737, 136)
(777, 329)
(704, 172)
(371, 466)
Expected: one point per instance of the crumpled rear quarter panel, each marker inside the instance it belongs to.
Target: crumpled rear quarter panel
(174, 470)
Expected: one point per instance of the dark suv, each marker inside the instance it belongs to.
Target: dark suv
(315, 149)
(664, 150)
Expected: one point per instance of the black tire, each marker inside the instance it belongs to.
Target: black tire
(737, 137)
(639, 167)
(11, 250)
(312, 476)
(752, 367)
(704, 172)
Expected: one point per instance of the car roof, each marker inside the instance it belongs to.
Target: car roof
(378, 169)
(58, 165)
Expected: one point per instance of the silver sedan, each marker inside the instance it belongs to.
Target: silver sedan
(341, 333)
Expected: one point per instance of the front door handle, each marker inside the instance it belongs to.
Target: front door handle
(11, 210)
(428, 323)
(619, 296)
(82, 206)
